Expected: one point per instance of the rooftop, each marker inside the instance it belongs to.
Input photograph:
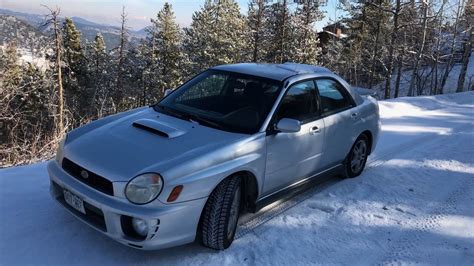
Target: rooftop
(272, 71)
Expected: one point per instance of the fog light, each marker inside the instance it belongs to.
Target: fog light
(140, 226)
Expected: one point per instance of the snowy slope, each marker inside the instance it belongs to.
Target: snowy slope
(449, 87)
(413, 204)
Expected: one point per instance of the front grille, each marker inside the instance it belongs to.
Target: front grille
(92, 180)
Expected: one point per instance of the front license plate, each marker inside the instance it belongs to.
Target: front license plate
(74, 201)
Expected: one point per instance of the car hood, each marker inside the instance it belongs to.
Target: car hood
(143, 141)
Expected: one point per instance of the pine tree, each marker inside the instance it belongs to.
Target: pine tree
(306, 47)
(279, 27)
(133, 68)
(73, 53)
(168, 49)
(357, 44)
(379, 22)
(216, 35)
(98, 57)
(367, 29)
(256, 21)
(76, 87)
(335, 56)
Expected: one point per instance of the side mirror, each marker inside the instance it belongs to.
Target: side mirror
(288, 125)
(168, 91)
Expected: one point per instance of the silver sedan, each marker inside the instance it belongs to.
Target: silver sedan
(230, 140)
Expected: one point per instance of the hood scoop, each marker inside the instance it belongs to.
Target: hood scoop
(158, 128)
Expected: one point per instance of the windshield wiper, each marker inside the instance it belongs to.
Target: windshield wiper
(170, 111)
(204, 121)
(188, 117)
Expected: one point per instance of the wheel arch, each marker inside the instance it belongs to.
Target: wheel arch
(370, 138)
(249, 190)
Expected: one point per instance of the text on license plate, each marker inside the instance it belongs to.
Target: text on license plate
(74, 201)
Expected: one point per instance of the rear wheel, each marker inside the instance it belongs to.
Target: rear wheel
(357, 157)
(221, 213)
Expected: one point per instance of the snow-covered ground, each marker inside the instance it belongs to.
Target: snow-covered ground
(413, 204)
(449, 87)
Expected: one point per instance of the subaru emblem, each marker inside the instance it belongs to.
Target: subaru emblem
(84, 174)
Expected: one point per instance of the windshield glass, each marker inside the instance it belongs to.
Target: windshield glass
(224, 100)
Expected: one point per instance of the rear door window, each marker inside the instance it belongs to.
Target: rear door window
(333, 96)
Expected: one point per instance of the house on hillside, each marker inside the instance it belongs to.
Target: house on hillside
(331, 32)
(328, 36)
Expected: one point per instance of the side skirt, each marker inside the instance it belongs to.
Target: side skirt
(299, 186)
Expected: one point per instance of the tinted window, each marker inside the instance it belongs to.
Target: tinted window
(333, 98)
(299, 102)
(224, 100)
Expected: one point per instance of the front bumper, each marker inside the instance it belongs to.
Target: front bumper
(169, 224)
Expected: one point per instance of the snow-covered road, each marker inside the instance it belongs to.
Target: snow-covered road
(413, 204)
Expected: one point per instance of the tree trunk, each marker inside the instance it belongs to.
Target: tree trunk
(60, 80)
(256, 37)
(283, 33)
(121, 58)
(374, 56)
(399, 76)
(465, 62)
(388, 80)
(420, 52)
(54, 20)
(449, 64)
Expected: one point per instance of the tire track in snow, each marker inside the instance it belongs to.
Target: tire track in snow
(406, 246)
(271, 211)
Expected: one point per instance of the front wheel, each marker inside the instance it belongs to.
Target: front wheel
(357, 157)
(220, 215)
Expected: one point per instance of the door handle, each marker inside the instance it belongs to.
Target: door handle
(354, 115)
(314, 130)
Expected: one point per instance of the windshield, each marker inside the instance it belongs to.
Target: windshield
(224, 100)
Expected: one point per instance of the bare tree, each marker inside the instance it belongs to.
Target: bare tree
(436, 56)
(121, 58)
(419, 55)
(467, 45)
(449, 64)
(52, 19)
(391, 48)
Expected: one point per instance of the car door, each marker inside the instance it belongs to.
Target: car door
(339, 115)
(293, 156)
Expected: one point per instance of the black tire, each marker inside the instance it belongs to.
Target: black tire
(216, 216)
(350, 171)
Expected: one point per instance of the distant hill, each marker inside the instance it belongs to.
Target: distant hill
(88, 28)
(25, 35)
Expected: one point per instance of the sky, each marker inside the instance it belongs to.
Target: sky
(139, 11)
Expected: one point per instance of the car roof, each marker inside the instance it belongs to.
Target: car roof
(278, 72)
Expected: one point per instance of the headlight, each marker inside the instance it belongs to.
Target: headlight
(59, 151)
(144, 188)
